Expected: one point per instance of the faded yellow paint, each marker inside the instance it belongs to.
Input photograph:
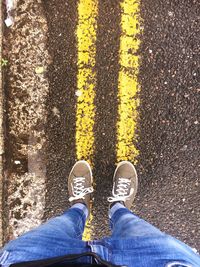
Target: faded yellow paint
(86, 82)
(128, 86)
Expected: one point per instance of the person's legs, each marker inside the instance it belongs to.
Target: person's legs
(136, 242)
(61, 235)
(58, 236)
(66, 226)
(125, 224)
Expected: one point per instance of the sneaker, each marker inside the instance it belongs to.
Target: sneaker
(80, 183)
(125, 184)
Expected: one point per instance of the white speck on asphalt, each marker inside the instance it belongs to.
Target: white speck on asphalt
(78, 93)
(170, 13)
(39, 70)
(56, 111)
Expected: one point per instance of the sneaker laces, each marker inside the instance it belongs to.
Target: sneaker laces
(123, 186)
(79, 190)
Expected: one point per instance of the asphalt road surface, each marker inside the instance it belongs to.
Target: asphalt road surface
(43, 92)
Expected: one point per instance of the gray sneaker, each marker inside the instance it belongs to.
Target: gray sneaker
(125, 184)
(80, 183)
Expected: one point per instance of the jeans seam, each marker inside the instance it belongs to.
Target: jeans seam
(4, 257)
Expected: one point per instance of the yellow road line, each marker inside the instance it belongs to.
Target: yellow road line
(128, 81)
(86, 82)
(88, 228)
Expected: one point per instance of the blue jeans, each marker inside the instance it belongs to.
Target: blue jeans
(134, 242)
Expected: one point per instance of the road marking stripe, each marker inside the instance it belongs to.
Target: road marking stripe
(86, 82)
(128, 81)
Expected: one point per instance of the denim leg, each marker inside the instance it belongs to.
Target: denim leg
(58, 236)
(125, 224)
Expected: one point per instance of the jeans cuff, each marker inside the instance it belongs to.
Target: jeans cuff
(114, 208)
(82, 207)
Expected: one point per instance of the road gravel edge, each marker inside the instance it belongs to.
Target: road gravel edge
(1, 132)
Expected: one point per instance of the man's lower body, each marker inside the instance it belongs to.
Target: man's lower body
(62, 235)
(134, 242)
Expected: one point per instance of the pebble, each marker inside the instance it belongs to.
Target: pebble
(39, 70)
(78, 93)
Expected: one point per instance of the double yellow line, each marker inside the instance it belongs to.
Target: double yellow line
(86, 83)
